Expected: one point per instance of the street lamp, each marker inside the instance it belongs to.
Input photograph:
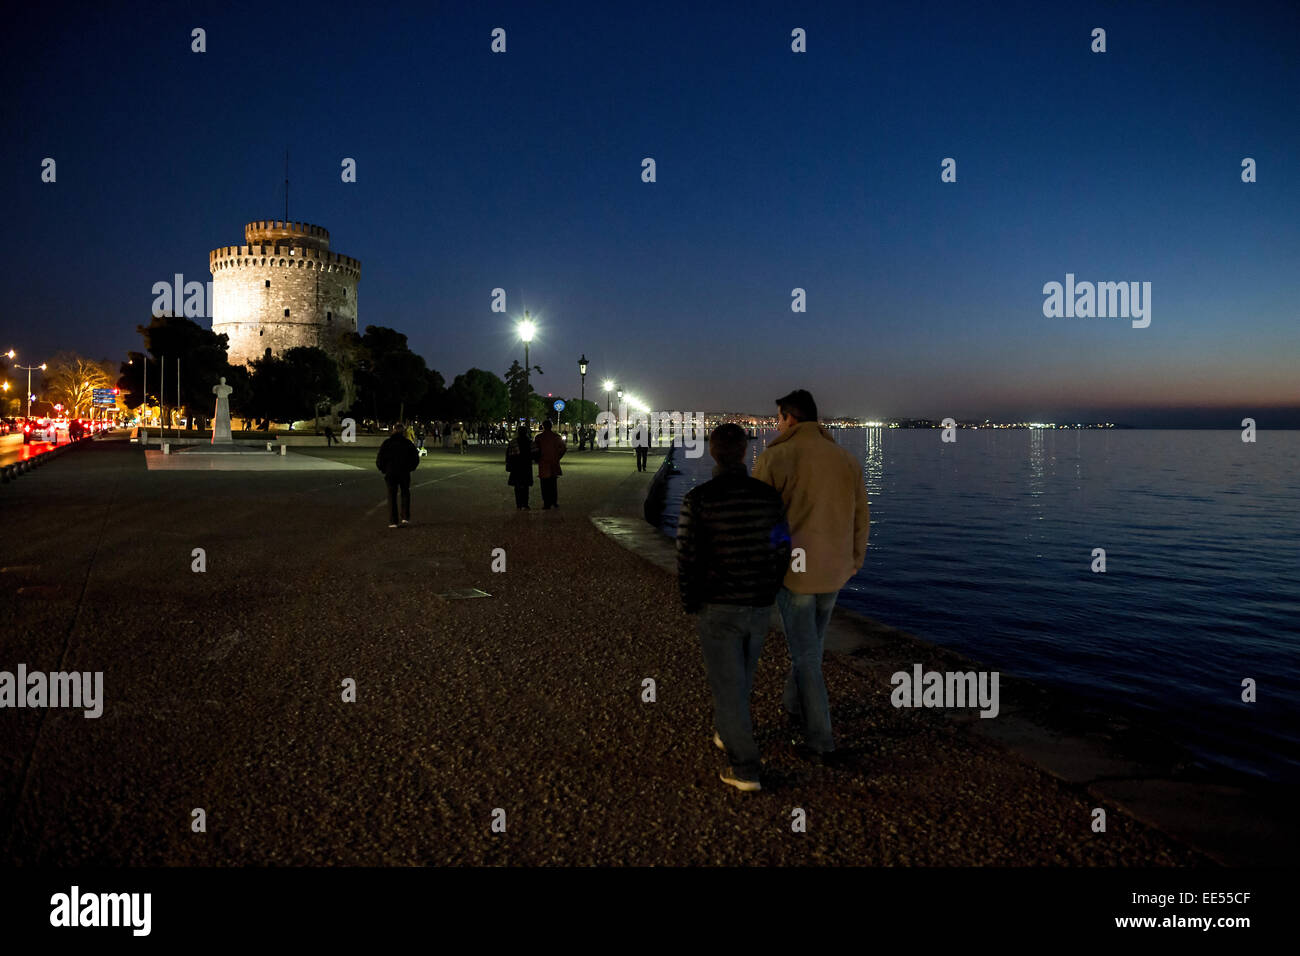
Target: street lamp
(609, 387)
(620, 405)
(582, 397)
(28, 369)
(526, 330)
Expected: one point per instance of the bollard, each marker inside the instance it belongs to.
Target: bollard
(284, 449)
(166, 448)
(268, 446)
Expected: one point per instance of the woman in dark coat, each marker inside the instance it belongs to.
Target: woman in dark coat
(519, 463)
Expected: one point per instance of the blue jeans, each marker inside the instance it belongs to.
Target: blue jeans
(731, 637)
(805, 617)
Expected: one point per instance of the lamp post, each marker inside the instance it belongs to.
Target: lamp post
(526, 330)
(620, 405)
(29, 369)
(609, 387)
(582, 395)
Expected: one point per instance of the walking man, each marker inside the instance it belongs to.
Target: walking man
(642, 447)
(550, 449)
(329, 437)
(733, 547)
(826, 504)
(397, 458)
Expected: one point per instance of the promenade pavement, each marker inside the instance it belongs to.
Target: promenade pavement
(223, 690)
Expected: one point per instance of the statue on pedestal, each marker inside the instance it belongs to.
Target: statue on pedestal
(221, 425)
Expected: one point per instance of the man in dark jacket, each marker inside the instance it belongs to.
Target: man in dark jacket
(397, 458)
(733, 548)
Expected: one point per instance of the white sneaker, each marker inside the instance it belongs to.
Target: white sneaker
(717, 741)
(392, 526)
(729, 777)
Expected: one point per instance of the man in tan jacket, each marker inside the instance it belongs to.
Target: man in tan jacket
(826, 504)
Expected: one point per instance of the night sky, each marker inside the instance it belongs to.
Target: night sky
(776, 170)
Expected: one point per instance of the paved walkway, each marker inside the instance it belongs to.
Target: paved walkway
(223, 691)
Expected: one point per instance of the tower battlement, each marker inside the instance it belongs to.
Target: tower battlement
(275, 231)
(282, 256)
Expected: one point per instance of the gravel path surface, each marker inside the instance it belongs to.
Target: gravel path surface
(223, 691)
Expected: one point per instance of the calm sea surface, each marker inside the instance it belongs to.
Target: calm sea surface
(985, 545)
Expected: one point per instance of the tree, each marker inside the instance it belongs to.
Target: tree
(313, 380)
(434, 403)
(71, 380)
(202, 356)
(389, 377)
(478, 396)
(293, 386)
(522, 394)
(581, 411)
(269, 399)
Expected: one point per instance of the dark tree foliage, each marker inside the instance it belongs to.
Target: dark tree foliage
(478, 396)
(294, 386)
(390, 379)
(202, 356)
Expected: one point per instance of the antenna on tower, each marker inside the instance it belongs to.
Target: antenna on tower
(286, 184)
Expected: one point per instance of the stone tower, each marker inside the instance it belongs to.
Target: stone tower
(283, 289)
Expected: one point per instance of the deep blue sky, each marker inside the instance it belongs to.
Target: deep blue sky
(775, 170)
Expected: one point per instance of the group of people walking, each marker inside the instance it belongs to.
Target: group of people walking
(794, 533)
(545, 450)
(790, 535)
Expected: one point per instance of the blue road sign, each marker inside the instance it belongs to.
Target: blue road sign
(559, 405)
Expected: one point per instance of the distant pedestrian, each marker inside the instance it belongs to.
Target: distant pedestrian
(461, 437)
(329, 437)
(550, 449)
(419, 434)
(733, 548)
(519, 465)
(826, 503)
(397, 458)
(642, 448)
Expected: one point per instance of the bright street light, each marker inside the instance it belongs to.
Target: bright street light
(526, 330)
